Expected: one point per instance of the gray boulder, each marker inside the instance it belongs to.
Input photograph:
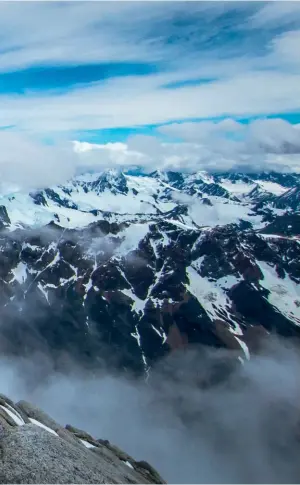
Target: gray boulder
(67, 436)
(148, 471)
(6, 417)
(8, 403)
(36, 413)
(82, 435)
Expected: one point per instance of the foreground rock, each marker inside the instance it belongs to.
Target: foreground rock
(36, 449)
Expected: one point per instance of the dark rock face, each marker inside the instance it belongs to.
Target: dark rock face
(36, 449)
(52, 195)
(285, 225)
(4, 219)
(115, 183)
(283, 179)
(289, 200)
(38, 198)
(254, 305)
(175, 179)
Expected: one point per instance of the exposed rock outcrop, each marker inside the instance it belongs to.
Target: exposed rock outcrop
(34, 448)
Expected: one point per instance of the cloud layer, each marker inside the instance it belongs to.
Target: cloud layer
(266, 144)
(263, 144)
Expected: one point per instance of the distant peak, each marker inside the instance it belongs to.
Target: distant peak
(112, 180)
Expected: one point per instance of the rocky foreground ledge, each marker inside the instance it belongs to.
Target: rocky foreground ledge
(36, 449)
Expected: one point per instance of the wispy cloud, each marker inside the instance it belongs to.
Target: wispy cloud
(139, 100)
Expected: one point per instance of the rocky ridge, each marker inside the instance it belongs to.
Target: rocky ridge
(34, 448)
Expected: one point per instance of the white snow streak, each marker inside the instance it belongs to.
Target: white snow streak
(244, 347)
(20, 273)
(284, 293)
(87, 444)
(14, 415)
(45, 293)
(41, 425)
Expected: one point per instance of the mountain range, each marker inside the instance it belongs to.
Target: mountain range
(123, 269)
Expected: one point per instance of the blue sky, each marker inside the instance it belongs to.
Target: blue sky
(107, 72)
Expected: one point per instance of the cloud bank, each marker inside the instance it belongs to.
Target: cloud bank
(263, 144)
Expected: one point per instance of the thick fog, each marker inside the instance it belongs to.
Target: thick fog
(187, 421)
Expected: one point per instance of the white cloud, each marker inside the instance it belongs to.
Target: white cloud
(285, 50)
(28, 164)
(28, 39)
(273, 135)
(99, 157)
(275, 13)
(195, 132)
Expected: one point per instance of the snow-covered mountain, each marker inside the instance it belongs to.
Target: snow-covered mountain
(126, 268)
